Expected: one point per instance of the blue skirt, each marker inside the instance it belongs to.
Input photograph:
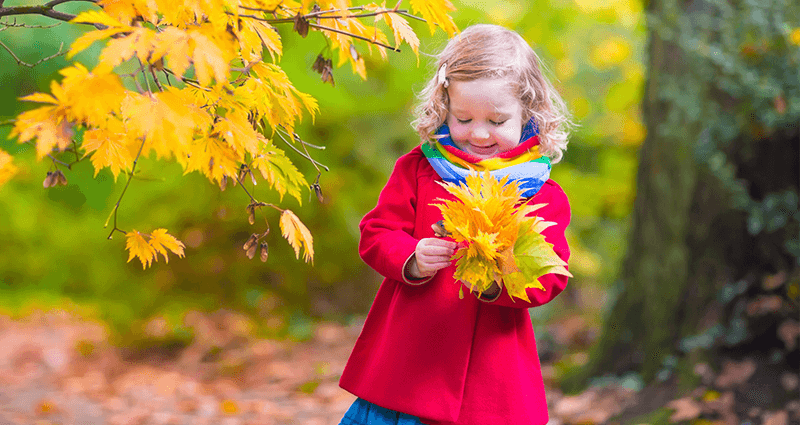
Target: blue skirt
(362, 412)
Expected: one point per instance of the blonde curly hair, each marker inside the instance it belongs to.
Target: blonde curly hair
(491, 51)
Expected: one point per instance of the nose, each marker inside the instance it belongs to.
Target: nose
(479, 133)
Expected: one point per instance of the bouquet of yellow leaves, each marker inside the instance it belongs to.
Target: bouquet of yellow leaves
(498, 241)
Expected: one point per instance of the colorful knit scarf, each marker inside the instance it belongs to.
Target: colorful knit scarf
(523, 164)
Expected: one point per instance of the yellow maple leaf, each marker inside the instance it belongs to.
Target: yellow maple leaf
(97, 17)
(297, 234)
(138, 247)
(47, 125)
(139, 43)
(402, 32)
(109, 148)
(7, 168)
(435, 12)
(161, 241)
(212, 54)
(215, 158)
(81, 43)
(279, 171)
(174, 44)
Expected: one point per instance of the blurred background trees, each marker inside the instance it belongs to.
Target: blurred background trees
(56, 251)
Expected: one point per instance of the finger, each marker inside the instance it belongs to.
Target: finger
(439, 242)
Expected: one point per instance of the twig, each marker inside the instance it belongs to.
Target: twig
(378, 43)
(188, 81)
(155, 79)
(319, 15)
(125, 189)
(144, 75)
(7, 122)
(299, 152)
(31, 65)
(16, 25)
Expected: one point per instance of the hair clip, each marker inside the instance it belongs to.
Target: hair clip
(441, 78)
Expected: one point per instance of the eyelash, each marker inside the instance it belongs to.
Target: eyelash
(467, 122)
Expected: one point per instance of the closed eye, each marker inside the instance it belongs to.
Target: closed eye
(497, 123)
(463, 121)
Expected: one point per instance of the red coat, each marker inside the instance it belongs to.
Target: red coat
(425, 352)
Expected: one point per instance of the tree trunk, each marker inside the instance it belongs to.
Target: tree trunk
(716, 150)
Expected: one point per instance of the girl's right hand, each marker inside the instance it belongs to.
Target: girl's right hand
(430, 256)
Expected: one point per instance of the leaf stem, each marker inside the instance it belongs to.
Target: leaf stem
(125, 189)
(308, 157)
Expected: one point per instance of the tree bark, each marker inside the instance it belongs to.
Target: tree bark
(687, 239)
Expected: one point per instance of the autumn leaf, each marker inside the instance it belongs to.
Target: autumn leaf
(161, 241)
(138, 247)
(435, 12)
(278, 170)
(109, 148)
(7, 168)
(501, 241)
(297, 234)
(402, 31)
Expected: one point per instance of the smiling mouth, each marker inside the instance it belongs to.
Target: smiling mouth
(486, 150)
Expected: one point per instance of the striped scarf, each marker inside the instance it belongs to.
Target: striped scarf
(523, 164)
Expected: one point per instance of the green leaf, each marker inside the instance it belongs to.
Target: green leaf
(534, 258)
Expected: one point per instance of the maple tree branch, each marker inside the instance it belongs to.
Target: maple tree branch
(125, 189)
(42, 9)
(31, 65)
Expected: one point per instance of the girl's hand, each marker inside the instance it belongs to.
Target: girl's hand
(431, 255)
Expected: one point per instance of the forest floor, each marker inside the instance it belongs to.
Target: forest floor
(57, 369)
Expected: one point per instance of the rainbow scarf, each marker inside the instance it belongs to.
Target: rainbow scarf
(523, 164)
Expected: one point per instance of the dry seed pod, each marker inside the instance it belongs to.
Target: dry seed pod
(250, 241)
(50, 180)
(251, 214)
(301, 25)
(264, 252)
(61, 179)
(251, 252)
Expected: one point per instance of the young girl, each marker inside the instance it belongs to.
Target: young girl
(424, 355)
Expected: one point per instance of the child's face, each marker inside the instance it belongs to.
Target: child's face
(485, 116)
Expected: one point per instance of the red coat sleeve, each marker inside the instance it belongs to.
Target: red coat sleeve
(557, 211)
(386, 232)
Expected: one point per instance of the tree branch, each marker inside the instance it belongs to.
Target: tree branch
(298, 151)
(31, 65)
(43, 9)
(378, 43)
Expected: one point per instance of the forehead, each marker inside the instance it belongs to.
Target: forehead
(485, 94)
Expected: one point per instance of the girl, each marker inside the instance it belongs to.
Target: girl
(424, 355)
